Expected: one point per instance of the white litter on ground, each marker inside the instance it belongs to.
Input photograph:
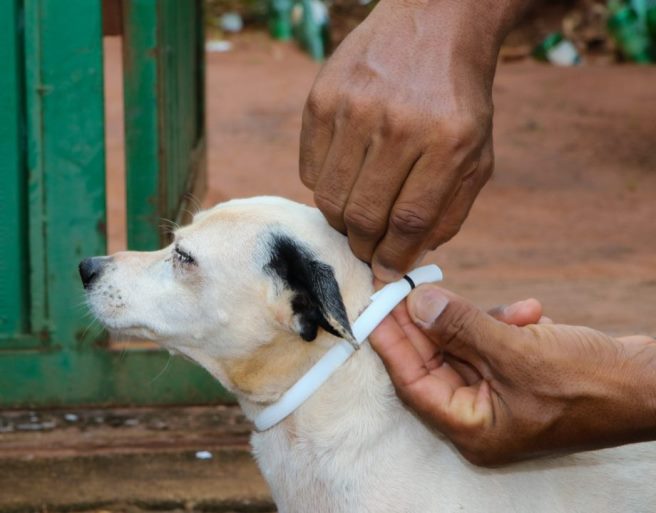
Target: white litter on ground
(218, 46)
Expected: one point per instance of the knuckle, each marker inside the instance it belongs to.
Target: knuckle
(403, 393)
(319, 104)
(327, 205)
(486, 167)
(410, 220)
(363, 221)
(445, 233)
(449, 226)
(399, 122)
(479, 456)
(308, 170)
(308, 176)
(357, 106)
(478, 447)
(460, 133)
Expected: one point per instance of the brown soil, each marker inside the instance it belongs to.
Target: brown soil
(129, 460)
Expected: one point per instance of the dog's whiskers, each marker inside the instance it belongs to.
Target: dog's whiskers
(168, 226)
(93, 322)
(194, 203)
(159, 374)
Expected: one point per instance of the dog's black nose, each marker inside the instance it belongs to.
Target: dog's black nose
(90, 269)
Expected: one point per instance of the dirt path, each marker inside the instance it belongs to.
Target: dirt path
(130, 460)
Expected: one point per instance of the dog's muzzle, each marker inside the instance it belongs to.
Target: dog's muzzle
(91, 269)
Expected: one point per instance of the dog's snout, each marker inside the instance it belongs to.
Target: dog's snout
(91, 269)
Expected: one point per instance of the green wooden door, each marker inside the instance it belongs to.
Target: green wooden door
(52, 192)
(164, 125)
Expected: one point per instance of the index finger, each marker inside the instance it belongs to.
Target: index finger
(403, 362)
(413, 217)
(315, 141)
(440, 394)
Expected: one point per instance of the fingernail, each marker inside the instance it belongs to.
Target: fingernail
(514, 309)
(428, 305)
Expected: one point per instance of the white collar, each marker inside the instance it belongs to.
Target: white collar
(383, 302)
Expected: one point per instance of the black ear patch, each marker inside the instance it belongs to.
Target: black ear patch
(317, 301)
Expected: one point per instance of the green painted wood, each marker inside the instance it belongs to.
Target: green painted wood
(70, 94)
(164, 114)
(55, 355)
(35, 89)
(142, 141)
(97, 377)
(63, 93)
(13, 240)
(182, 87)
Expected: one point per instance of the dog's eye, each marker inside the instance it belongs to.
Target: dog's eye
(183, 257)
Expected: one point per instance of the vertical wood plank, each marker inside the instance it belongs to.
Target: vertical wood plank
(13, 240)
(34, 92)
(63, 95)
(69, 88)
(164, 113)
(144, 153)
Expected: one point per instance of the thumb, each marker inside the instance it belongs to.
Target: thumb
(454, 324)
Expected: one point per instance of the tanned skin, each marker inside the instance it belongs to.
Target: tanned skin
(397, 130)
(396, 144)
(504, 393)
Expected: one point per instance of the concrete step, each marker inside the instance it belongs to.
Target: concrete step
(187, 459)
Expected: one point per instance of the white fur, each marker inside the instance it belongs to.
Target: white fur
(353, 446)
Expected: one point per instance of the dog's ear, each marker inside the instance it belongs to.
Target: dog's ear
(316, 299)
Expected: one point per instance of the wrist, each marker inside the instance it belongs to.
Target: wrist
(472, 30)
(493, 19)
(604, 394)
(628, 411)
(642, 359)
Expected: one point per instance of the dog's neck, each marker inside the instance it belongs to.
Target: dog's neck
(355, 416)
(361, 376)
(331, 442)
(268, 373)
(346, 439)
(355, 410)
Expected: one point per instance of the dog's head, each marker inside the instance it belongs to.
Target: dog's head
(250, 290)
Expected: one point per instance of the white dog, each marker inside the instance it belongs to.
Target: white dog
(256, 291)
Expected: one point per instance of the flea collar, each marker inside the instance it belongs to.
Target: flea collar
(382, 303)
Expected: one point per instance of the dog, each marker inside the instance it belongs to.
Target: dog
(256, 291)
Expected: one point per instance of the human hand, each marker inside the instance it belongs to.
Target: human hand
(397, 131)
(503, 393)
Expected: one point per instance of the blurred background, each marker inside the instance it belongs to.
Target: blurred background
(122, 117)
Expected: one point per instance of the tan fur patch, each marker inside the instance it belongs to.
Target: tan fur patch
(273, 368)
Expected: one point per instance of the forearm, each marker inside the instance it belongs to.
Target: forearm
(636, 381)
(503, 14)
(475, 29)
(496, 17)
(609, 400)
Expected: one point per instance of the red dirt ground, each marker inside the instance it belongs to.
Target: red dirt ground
(569, 217)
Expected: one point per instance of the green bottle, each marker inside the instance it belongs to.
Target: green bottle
(280, 18)
(557, 50)
(650, 18)
(630, 33)
(311, 26)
